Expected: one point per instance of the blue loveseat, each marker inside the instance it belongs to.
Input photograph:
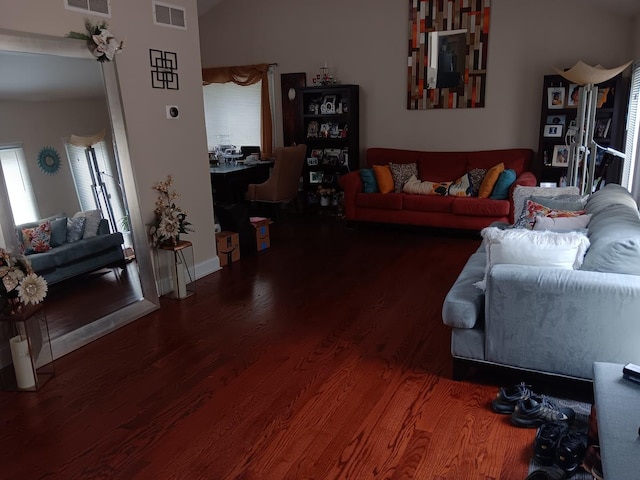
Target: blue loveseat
(556, 321)
(68, 259)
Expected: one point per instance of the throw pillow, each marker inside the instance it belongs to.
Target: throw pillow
(37, 239)
(383, 178)
(502, 186)
(58, 231)
(401, 172)
(75, 229)
(533, 210)
(536, 248)
(521, 193)
(476, 176)
(93, 221)
(417, 187)
(562, 224)
(369, 184)
(461, 187)
(490, 179)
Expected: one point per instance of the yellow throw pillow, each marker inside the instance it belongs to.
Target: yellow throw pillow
(490, 179)
(384, 178)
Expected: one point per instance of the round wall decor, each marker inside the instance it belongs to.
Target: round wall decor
(49, 160)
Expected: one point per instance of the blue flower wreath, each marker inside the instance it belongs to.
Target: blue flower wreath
(49, 160)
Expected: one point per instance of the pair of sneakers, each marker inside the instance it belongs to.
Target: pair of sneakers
(556, 445)
(528, 409)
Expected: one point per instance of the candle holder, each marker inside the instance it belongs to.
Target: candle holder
(324, 78)
(29, 345)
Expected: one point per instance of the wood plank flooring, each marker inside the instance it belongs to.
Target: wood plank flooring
(323, 357)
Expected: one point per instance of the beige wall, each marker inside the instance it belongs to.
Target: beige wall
(158, 146)
(365, 42)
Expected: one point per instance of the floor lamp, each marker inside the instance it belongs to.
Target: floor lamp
(582, 147)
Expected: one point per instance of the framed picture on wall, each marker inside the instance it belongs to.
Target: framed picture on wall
(560, 156)
(574, 95)
(552, 130)
(556, 119)
(555, 97)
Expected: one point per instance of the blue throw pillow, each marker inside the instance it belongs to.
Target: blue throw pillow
(58, 231)
(369, 183)
(501, 188)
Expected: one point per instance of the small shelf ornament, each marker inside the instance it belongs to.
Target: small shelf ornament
(324, 78)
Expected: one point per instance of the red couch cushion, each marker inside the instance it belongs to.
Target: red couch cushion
(428, 203)
(480, 207)
(388, 201)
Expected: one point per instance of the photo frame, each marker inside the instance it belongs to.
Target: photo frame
(602, 128)
(560, 156)
(574, 95)
(555, 97)
(328, 105)
(315, 177)
(552, 131)
(311, 161)
(556, 120)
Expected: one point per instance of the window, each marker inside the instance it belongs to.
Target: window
(18, 182)
(232, 114)
(96, 185)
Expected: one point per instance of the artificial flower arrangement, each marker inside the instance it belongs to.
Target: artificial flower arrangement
(101, 42)
(170, 219)
(20, 285)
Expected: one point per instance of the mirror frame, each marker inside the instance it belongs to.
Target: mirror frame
(22, 42)
(424, 18)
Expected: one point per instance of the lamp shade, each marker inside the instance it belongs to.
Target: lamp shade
(582, 74)
(87, 141)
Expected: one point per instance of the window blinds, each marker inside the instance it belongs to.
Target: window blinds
(18, 182)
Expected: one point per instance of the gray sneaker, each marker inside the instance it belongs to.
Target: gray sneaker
(536, 410)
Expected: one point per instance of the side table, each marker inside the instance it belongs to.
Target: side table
(617, 404)
(179, 266)
(29, 345)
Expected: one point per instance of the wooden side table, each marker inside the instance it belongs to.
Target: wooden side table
(180, 268)
(30, 349)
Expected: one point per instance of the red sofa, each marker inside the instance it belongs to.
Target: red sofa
(467, 213)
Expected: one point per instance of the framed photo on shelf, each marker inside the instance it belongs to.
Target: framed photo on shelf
(315, 177)
(311, 161)
(601, 129)
(556, 119)
(555, 97)
(316, 153)
(560, 156)
(574, 94)
(552, 131)
(328, 105)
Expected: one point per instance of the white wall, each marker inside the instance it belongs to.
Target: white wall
(158, 146)
(365, 42)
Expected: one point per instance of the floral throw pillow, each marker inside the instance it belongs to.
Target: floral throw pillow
(416, 187)
(532, 210)
(401, 172)
(461, 187)
(37, 239)
(75, 228)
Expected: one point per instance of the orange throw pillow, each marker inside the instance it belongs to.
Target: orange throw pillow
(384, 178)
(490, 179)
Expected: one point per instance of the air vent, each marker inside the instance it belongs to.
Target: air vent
(96, 7)
(169, 15)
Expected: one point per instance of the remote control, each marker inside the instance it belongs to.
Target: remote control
(631, 372)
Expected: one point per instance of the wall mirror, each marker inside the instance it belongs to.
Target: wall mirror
(447, 58)
(55, 88)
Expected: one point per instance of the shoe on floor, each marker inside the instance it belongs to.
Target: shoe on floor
(534, 411)
(547, 439)
(548, 473)
(571, 451)
(507, 397)
(592, 462)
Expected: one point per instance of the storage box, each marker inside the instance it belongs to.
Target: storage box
(261, 225)
(228, 246)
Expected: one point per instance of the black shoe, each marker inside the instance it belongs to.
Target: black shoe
(534, 411)
(547, 439)
(508, 397)
(571, 451)
(548, 473)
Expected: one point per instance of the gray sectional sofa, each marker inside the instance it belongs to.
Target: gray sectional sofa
(69, 259)
(556, 321)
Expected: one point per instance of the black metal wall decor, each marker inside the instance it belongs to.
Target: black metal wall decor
(164, 68)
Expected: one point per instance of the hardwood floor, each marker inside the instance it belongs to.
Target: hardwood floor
(323, 357)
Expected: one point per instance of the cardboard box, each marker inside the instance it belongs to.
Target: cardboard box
(228, 246)
(261, 225)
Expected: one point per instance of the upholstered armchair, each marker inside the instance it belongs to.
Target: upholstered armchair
(282, 184)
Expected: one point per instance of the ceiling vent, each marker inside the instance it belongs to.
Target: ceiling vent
(169, 15)
(96, 7)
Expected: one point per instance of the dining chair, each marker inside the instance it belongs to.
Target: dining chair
(282, 185)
